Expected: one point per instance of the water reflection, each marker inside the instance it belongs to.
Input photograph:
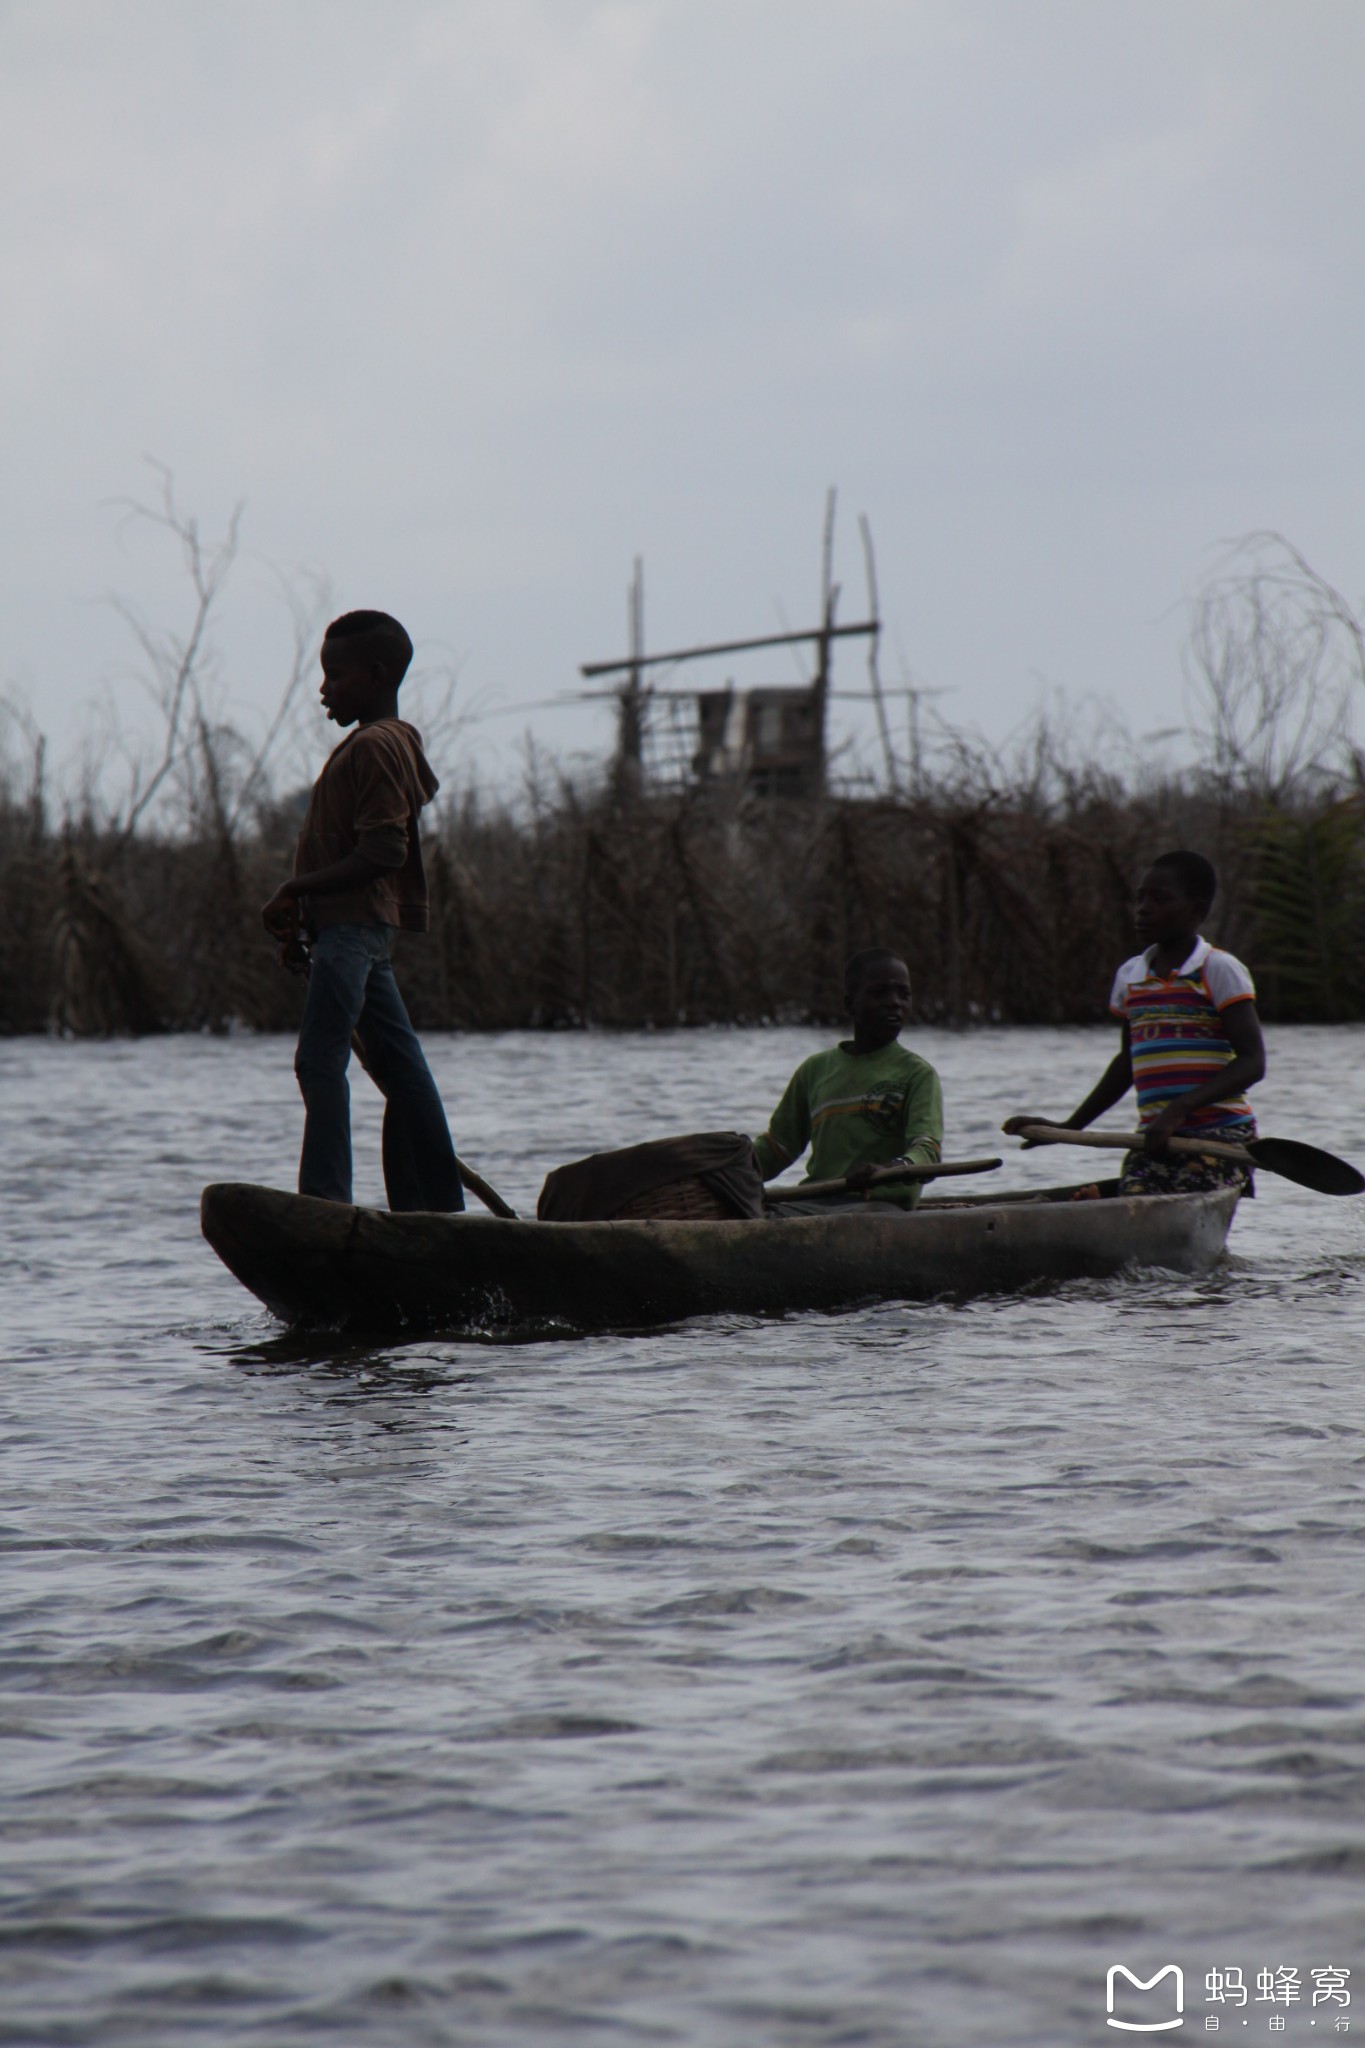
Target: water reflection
(359, 1374)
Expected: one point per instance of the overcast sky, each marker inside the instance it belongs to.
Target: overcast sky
(473, 301)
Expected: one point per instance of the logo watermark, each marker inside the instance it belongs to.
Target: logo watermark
(1147, 2026)
(1272, 1999)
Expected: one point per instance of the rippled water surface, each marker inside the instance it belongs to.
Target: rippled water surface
(880, 1678)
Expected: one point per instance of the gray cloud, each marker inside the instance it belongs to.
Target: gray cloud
(472, 303)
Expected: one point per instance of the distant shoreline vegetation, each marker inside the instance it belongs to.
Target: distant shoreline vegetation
(1005, 876)
(689, 911)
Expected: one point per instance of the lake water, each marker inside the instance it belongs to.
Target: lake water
(881, 1678)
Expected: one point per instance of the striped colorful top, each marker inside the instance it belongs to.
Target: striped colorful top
(1176, 1036)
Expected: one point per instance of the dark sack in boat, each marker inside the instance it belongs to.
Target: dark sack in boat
(712, 1174)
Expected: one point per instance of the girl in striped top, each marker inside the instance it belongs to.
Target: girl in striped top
(1191, 1040)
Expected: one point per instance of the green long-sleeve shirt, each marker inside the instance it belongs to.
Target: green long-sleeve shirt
(855, 1106)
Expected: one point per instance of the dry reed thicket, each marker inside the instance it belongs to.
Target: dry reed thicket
(1006, 879)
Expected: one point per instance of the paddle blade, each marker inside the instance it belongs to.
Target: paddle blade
(1322, 1171)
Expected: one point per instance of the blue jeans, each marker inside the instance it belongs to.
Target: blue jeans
(351, 989)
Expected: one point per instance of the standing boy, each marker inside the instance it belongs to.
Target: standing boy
(357, 875)
(1191, 1038)
(865, 1103)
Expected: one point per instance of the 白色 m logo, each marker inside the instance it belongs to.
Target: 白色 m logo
(1172, 1970)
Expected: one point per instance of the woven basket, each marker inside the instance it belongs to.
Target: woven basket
(689, 1200)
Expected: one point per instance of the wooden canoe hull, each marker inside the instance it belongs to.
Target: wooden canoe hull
(322, 1263)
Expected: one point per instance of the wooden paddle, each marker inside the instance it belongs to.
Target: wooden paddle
(489, 1196)
(1292, 1160)
(805, 1189)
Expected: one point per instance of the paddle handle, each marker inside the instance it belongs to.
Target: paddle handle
(1124, 1141)
(489, 1196)
(805, 1189)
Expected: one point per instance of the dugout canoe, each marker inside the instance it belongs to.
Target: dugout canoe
(321, 1263)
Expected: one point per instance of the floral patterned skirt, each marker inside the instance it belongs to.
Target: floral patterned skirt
(1182, 1174)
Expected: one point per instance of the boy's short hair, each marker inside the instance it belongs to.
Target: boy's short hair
(376, 637)
(859, 965)
(1197, 877)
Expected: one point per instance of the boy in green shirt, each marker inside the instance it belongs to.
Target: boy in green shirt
(865, 1103)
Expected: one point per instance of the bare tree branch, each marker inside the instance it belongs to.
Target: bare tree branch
(175, 664)
(1273, 656)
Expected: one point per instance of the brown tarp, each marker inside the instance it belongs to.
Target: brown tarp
(594, 1189)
